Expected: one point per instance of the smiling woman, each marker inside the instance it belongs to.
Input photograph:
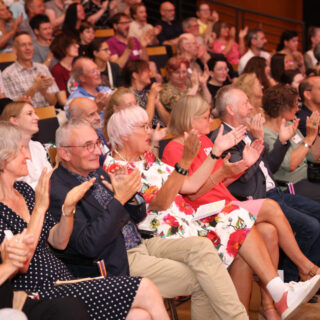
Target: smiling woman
(23, 116)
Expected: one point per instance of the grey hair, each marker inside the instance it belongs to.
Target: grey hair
(10, 142)
(187, 22)
(63, 133)
(75, 113)
(77, 68)
(224, 98)
(182, 38)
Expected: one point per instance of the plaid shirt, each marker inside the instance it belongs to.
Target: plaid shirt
(17, 80)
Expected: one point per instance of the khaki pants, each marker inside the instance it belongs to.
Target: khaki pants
(189, 266)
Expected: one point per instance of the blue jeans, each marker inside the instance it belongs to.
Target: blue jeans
(304, 217)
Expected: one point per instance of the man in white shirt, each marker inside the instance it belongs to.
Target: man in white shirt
(256, 42)
(314, 38)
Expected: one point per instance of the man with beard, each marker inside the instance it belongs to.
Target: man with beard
(256, 42)
(123, 47)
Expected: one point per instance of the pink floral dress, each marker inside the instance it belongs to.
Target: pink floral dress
(227, 230)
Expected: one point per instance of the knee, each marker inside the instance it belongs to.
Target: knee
(148, 290)
(271, 207)
(269, 233)
(137, 313)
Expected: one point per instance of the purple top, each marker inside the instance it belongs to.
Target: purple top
(117, 47)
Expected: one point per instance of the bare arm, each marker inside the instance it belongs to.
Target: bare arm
(96, 16)
(242, 44)
(55, 22)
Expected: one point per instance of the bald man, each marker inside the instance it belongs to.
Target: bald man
(86, 109)
(171, 29)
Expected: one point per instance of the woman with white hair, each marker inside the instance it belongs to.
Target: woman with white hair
(232, 230)
(22, 208)
(22, 115)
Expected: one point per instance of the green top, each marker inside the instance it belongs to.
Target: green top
(284, 173)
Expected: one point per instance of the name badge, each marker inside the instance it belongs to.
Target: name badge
(135, 52)
(296, 139)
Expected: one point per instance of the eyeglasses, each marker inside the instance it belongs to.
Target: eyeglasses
(145, 126)
(124, 22)
(90, 146)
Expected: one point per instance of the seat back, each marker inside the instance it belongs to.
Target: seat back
(158, 55)
(6, 59)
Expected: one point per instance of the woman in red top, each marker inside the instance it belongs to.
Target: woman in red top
(192, 112)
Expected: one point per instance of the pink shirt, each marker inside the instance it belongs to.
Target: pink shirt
(234, 55)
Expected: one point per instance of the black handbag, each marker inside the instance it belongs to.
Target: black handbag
(313, 171)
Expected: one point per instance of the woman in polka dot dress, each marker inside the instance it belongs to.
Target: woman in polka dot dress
(22, 208)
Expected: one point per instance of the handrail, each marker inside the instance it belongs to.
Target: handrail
(257, 12)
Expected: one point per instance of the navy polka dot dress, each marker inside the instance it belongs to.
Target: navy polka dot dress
(109, 298)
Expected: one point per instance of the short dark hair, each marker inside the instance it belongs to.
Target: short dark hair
(37, 20)
(288, 76)
(95, 45)
(252, 34)
(131, 67)
(20, 33)
(60, 44)
(134, 8)
(278, 99)
(116, 18)
(213, 61)
(286, 36)
(85, 25)
(305, 85)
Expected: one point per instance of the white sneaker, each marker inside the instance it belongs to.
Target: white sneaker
(296, 294)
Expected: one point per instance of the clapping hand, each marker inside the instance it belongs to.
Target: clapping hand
(286, 132)
(231, 169)
(251, 153)
(243, 32)
(256, 126)
(42, 191)
(159, 133)
(191, 146)
(312, 127)
(123, 184)
(226, 141)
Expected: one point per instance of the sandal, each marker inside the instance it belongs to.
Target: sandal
(313, 271)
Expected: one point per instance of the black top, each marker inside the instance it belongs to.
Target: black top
(169, 31)
(302, 114)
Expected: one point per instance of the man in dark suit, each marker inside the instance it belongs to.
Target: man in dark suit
(104, 228)
(233, 107)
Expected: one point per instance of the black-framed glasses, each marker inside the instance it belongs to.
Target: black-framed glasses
(90, 146)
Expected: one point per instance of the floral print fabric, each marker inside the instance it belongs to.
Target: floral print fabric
(227, 230)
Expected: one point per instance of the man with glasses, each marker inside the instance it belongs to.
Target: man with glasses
(309, 91)
(170, 28)
(123, 47)
(105, 228)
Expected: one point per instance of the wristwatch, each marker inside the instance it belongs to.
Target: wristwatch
(305, 144)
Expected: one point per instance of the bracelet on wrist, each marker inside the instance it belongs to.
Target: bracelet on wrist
(181, 170)
(68, 215)
(306, 144)
(213, 156)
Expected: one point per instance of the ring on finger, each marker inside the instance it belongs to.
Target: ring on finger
(314, 123)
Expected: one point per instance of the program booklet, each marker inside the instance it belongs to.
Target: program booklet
(209, 209)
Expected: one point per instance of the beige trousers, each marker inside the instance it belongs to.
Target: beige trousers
(189, 266)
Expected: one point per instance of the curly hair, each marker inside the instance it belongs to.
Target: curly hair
(278, 99)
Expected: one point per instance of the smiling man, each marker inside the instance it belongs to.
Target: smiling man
(28, 78)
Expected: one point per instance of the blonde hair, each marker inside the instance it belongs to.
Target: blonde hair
(115, 100)
(186, 109)
(246, 82)
(12, 109)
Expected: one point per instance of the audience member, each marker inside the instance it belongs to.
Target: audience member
(86, 35)
(280, 104)
(170, 28)
(128, 134)
(226, 41)
(288, 45)
(124, 48)
(104, 227)
(292, 77)
(206, 18)
(120, 99)
(309, 91)
(278, 64)
(188, 47)
(86, 73)
(43, 270)
(8, 28)
(137, 76)
(28, 78)
(86, 109)
(250, 84)
(139, 27)
(13, 253)
(74, 16)
(314, 39)
(256, 42)
(191, 25)
(42, 28)
(97, 12)
(32, 7)
(261, 67)
(23, 116)
(55, 10)
(218, 71)
(17, 9)
(65, 49)
(233, 107)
